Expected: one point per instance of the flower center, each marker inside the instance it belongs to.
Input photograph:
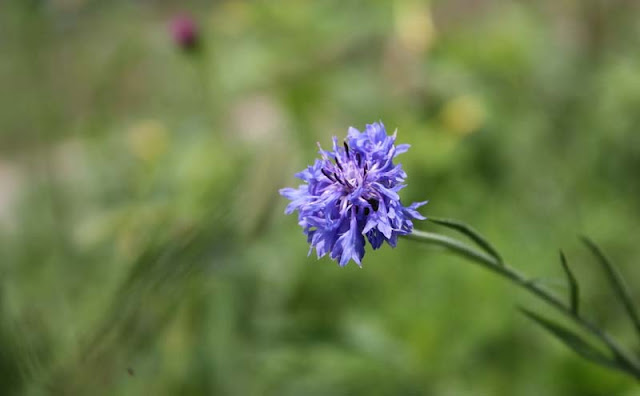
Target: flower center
(350, 174)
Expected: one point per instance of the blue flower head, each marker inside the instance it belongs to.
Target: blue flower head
(352, 192)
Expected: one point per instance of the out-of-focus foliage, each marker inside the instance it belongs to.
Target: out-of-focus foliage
(143, 248)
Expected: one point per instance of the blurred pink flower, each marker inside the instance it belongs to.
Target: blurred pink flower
(184, 31)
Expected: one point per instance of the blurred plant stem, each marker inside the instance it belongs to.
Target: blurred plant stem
(621, 360)
(201, 59)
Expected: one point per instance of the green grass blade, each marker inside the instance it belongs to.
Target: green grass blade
(616, 282)
(471, 233)
(574, 291)
(572, 340)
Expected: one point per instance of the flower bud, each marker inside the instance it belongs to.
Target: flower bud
(185, 32)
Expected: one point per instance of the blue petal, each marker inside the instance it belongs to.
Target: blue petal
(402, 148)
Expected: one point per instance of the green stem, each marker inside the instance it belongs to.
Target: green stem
(623, 360)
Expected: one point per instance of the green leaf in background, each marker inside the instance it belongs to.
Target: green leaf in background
(471, 233)
(574, 291)
(616, 282)
(570, 339)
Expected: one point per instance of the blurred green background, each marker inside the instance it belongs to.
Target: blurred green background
(143, 246)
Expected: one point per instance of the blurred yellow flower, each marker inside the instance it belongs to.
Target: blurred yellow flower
(232, 17)
(463, 114)
(148, 139)
(414, 25)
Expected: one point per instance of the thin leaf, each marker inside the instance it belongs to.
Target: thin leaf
(471, 233)
(616, 282)
(571, 340)
(574, 291)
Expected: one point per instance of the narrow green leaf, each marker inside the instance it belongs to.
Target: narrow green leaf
(616, 282)
(571, 340)
(574, 291)
(470, 233)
